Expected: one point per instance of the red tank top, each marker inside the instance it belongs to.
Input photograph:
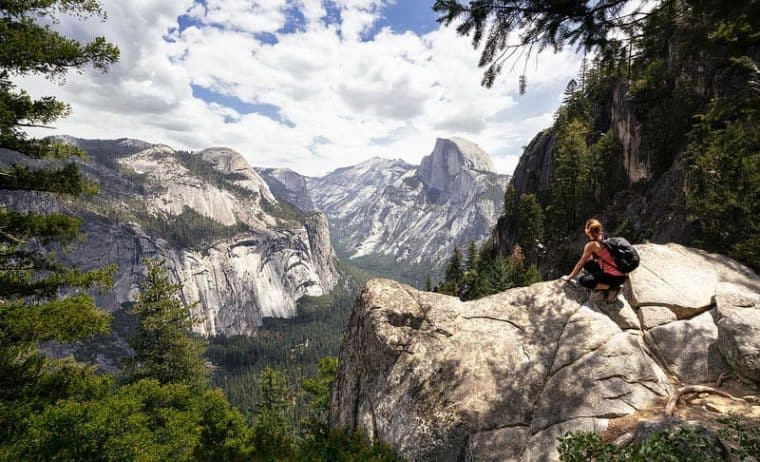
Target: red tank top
(606, 262)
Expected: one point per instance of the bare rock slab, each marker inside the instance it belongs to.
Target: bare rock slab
(653, 316)
(494, 379)
(690, 348)
(739, 330)
(684, 279)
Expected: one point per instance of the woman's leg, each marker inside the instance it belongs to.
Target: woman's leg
(595, 278)
(607, 281)
(592, 281)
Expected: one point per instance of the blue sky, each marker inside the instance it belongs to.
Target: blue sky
(311, 85)
(415, 16)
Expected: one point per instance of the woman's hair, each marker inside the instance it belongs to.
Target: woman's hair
(594, 227)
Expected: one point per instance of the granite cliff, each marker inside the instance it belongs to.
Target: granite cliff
(500, 378)
(239, 253)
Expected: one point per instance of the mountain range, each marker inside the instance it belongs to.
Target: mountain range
(399, 219)
(247, 244)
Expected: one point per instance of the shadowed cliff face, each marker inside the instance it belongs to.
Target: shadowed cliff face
(503, 377)
(264, 259)
(405, 214)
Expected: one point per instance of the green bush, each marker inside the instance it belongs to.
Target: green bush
(685, 443)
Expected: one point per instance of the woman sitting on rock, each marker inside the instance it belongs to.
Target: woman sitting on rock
(601, 272)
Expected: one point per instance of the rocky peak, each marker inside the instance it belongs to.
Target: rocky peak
(288, 185)
(476, 157)
(231, 162)
(501, 378)
(448, 159)
(225, 160)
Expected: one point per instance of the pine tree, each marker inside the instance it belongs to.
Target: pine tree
(34, 305)
(513, 29)
(28, 46)
(530, 224)
(428, 284)
(510, 202)
(319, 388)
(472, 256)
(164, 347)
(273, 433)
(571, 184)
(454, 274)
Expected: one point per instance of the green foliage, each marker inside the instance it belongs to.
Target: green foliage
(604, 155)
(164, 348)
(570, 194)
(273, 433)
(286, 213)
(454, 277)
(318, 443)
(16, 227)
(634, 234)
(473, 256)
(40, 299)
(225, 434)
(340, 447)
(292, 346)
(492, 273)
(141, 421)
(744, 437)
(65, 180)
(29, 46)
(684, 443)
(724, 175)
(665, 102)
(206, 170)
(523, 219)
(385, 266)
(540, 25)
(690, 71)
(319, 387)
(190, 229)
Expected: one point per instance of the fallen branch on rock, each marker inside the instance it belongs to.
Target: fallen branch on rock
(670, 407)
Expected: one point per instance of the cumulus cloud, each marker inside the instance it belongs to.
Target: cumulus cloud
(245, 15)
(345, 96)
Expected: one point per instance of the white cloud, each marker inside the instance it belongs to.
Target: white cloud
(402, 89)
(244, 15)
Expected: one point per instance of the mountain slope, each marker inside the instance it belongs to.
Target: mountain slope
(239, 253)
(404, 220)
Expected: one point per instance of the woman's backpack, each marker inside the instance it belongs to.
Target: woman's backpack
(625, 255)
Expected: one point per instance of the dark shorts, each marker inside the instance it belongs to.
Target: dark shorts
(594, 275)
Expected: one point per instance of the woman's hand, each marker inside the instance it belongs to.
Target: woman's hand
(568, 279)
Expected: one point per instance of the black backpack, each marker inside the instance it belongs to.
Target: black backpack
(625, 255)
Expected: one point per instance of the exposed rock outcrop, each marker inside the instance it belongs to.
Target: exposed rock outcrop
(502, 377)
(738, 312)
(535, 167)
(449, 159)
